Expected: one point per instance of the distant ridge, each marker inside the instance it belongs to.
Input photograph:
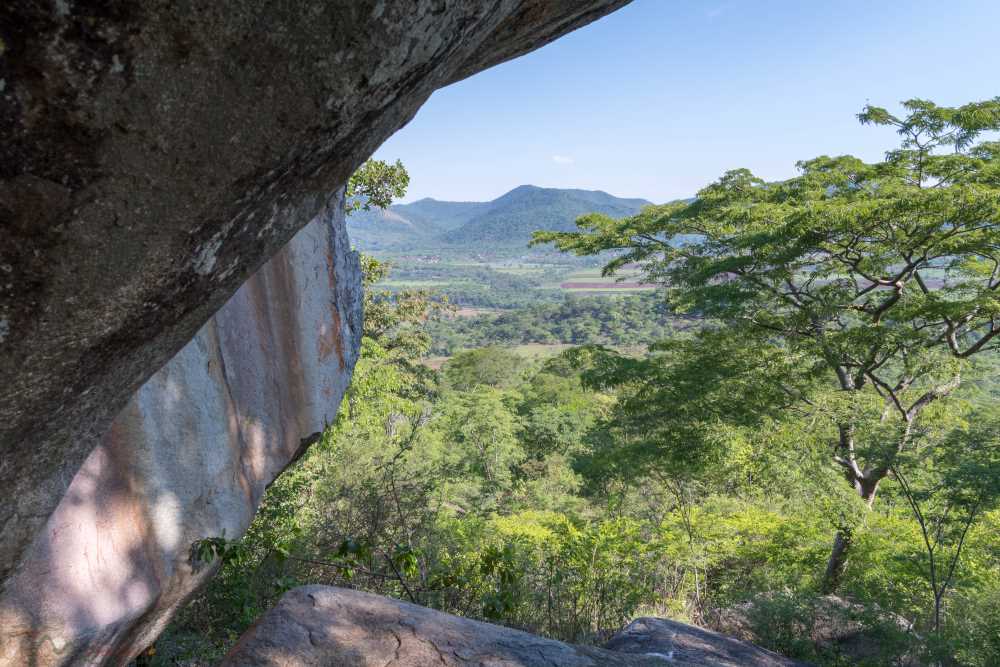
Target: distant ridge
(505, 222)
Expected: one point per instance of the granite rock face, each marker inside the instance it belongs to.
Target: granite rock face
(154, 154)
(683, 644)
(322, 625)
(189, 458)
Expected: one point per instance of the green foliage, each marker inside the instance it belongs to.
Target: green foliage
(803, 626)
(955, 478)
(480, 286)
(487, 366)
(878, 280)
(376, 183)
(397, 322)
(971, 634)
(692, 476)
(618, 321)
(687, 406)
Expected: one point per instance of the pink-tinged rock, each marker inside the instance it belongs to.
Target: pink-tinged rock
(188, 458)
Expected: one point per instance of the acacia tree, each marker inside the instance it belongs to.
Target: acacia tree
(880, 278)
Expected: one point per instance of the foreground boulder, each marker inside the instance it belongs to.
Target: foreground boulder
(689, 645)
(321, 625)
(154, 154)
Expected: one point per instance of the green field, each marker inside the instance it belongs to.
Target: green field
(590, 281)
(413, 284)
(532, 351)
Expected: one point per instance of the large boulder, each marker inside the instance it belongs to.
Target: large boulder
(189, 458)
(154, 154)
(690, 645)
(322, 625)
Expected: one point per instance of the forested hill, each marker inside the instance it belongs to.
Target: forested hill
(512, 218)
(506, 221)
(421, 222)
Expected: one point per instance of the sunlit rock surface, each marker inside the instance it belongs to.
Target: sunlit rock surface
(322, 625)
(684, 644)
(189, 457)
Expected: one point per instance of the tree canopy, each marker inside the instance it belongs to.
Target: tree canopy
(376, 183)
(881, 278)
(838, 325)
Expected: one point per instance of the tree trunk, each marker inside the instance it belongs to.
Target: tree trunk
(866, 487)
(938, 597)
(837, 563)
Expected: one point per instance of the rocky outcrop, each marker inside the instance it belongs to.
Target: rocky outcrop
(685, 644)
(321, 625)
(154, 154)
(189, 458)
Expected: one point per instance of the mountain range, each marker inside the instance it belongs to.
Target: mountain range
(505, 222)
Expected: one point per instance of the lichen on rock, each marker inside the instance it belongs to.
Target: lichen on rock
(153, 156)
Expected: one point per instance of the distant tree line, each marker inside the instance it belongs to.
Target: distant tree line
(617, 321)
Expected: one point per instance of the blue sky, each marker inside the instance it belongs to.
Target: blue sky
(661, 97)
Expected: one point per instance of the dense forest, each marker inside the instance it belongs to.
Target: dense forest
(616, 321)
(795, 439)
(478, 286)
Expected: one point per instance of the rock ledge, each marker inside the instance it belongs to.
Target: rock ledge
(322, 625)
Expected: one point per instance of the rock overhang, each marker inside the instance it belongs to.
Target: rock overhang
(155, 155)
